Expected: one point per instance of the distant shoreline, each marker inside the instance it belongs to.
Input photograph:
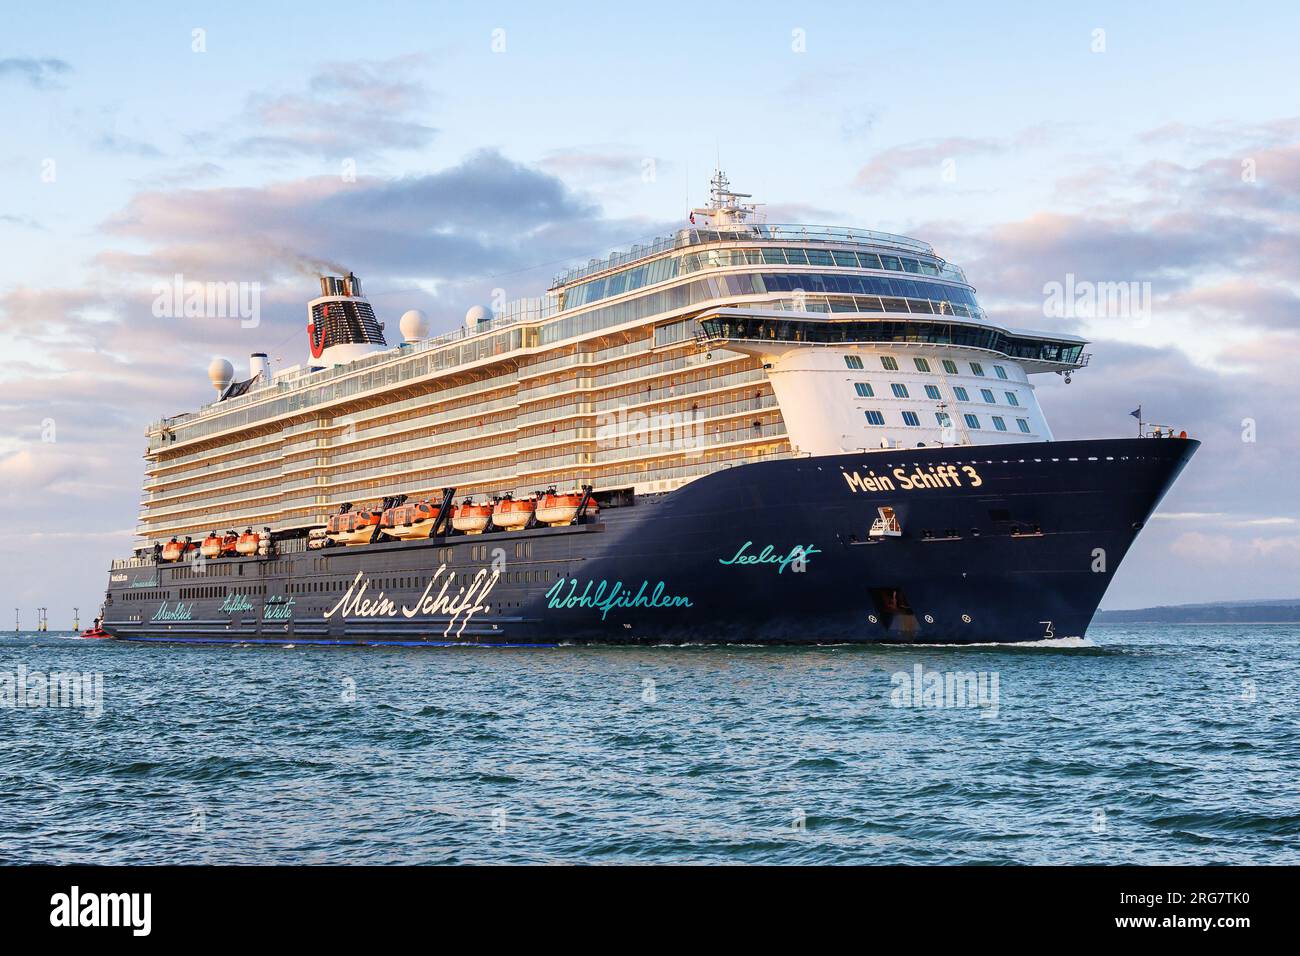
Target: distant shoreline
(1283, 611)
(1197, 623)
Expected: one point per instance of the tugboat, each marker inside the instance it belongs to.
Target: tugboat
(96, 631)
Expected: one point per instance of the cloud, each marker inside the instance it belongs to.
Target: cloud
(597, 161)
(125, 145)
(39, 73)
(484, 223)
(349, 110)
(25, 222)
(887, 167)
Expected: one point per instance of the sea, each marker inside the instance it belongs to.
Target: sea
(1141, 744)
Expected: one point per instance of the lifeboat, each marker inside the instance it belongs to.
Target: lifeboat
(353, 527)
(174, 550)
(471, 518)
(316, 538)
(230, 543)
(248, 542)
(97, 632)
(557, 509)
(513, 514)
(413, 519)
(211, 546)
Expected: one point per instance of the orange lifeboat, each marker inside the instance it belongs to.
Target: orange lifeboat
(248, 542)
(413, 519)
(230, 543)
(353, 527)
(556, 509)
(211, 546)
(471, 518)
(513, 514)
(173, 550)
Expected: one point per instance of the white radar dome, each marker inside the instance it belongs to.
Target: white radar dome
(414, 325)
(476, 315)
(220, 374)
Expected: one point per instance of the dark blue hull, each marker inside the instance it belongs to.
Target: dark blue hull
(999, 543)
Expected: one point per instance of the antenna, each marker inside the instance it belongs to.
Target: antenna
(725, 208)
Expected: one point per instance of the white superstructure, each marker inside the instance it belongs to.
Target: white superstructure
(731, 341)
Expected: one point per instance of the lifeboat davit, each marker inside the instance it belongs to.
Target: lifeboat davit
(556, 509)
(413, 519)
(353, 527)
(248, 542)
(512, 514)
(471, 518)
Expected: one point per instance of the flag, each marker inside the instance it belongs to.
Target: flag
(692, 219)
(1137, 413)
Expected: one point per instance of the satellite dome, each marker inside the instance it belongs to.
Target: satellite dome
(220, 374)
(414, 325)
(476, 315)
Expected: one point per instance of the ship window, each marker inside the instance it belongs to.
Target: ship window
(976, 368)
(950, 366)
(875, 418)
(911, 418)
(845, 259)
(889, 362)
(961, 393)
(820, 257)
(987, 395)
(853, 361)
(864, 389)
(900, 390)
(999, 424)
(796, 257)
(932, 391)
(921, 365)
(774, 257)
(891, 262)
(1024, 425)
(1002, 373)
(1011, 398)
(943, 419)
(972, 421)
(869, 260)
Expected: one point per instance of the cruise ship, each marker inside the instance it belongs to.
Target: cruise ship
(742, 432)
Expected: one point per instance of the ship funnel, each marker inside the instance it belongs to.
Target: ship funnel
(341, 324)
(258, 366)
(332, 285)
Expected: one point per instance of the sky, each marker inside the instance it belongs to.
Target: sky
(452, 154)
